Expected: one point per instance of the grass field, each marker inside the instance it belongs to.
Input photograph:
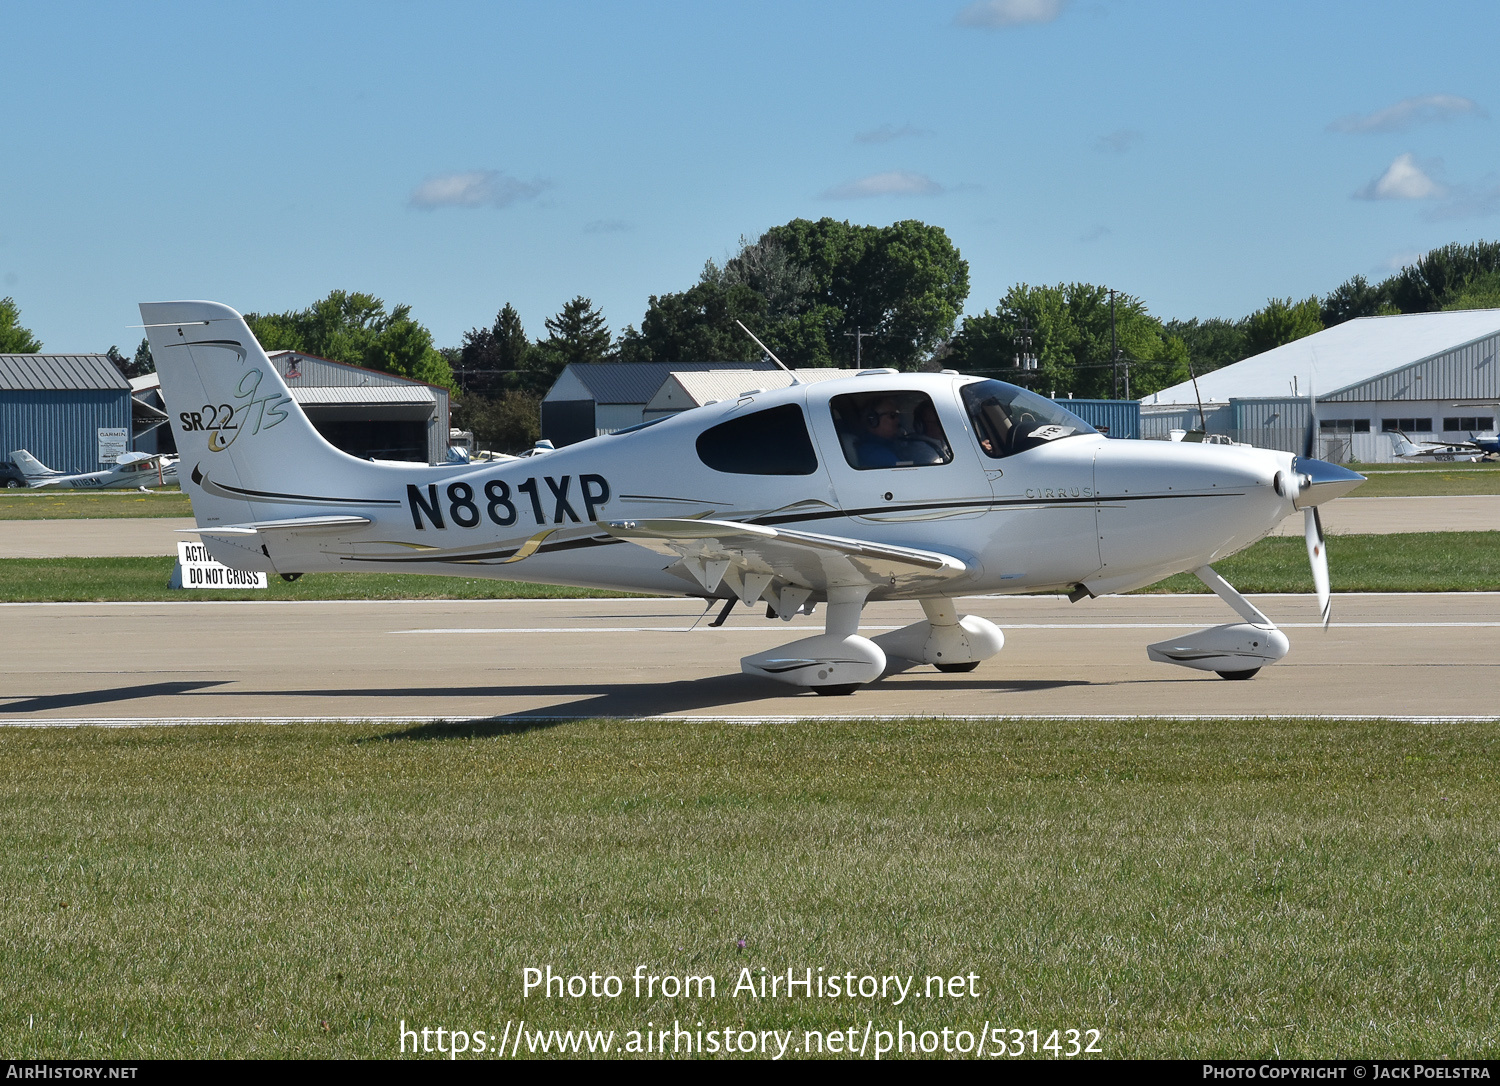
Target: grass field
(49, 504)
(1408, 480)
(1253, 889)
(33, 580)
(1415, 562)
(1434, 562)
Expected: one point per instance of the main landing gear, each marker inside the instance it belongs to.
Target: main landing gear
(839, 660)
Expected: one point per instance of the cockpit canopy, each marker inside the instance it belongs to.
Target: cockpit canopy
(1008, 420)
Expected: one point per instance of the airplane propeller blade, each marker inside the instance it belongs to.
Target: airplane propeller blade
(1312, 524)
(1317, 557)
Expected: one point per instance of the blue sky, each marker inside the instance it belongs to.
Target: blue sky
(1204, 156)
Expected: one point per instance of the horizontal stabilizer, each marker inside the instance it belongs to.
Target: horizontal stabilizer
(293, 524)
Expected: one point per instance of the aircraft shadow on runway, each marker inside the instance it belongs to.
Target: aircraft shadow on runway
(43, 702)
(643, 699)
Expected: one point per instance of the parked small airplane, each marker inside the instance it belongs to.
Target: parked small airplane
(1445, 451)
(131, 470)
(884, 485)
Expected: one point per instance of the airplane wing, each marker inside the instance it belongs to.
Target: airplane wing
(749, 557)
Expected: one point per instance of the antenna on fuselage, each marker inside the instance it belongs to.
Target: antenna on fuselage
(769, 355)
(1202, 418)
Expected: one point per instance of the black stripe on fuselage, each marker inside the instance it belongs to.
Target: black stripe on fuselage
(605, 541)
(977, 503)
(270, 495)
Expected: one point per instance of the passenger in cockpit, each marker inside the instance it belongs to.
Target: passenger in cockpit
(930, 433)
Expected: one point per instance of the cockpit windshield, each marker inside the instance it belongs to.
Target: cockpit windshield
(1008, 420)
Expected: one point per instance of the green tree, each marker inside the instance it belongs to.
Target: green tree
(697, 325)
(13, 338)
(577, 334)
(805, 288)
(143, 362)
(509, 422)
(904, 285)
(1069, 328)
(1481, 292)
(1281, 321)
(136, 366)
(1355, 297)
(1440, 275)
(1211, 343)
(491, 358)
(355, 328)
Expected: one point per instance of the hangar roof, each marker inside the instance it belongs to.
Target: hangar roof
(45, 372)
(631, 382)
(1347, 354)
(684, 390)
(363, 394)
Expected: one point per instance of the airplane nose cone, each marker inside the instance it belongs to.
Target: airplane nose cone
(1321, 481)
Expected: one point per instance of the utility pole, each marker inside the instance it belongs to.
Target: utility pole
(858, 354)
(1025, 359)
(1114, 350)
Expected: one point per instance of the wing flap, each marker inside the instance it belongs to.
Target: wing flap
(734, 553)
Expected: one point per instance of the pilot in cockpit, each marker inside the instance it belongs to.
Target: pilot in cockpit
(877, 444)
(884, 442)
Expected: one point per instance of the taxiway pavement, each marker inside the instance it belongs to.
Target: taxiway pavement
(1404, 655)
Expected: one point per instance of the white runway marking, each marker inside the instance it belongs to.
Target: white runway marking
(1002, 625)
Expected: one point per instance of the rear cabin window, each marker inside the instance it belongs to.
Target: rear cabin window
(770, 442)
(889, 430)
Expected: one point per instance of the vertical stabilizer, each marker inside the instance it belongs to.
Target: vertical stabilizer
(248, 453)
(33, 469)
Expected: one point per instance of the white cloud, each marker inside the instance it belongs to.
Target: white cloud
(1423, 109)
(989, 14)
(606, 226)
(1119, 141)
(1402, 180)
(887, 132)
(475, 188)
(893, 183)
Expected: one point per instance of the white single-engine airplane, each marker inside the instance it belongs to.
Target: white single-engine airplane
(885, 485)
(132, 470)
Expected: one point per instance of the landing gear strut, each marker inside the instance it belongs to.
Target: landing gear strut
(1236, 651)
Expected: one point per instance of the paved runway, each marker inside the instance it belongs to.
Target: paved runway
(1348, 516)
(120, 537)
(1405, 655)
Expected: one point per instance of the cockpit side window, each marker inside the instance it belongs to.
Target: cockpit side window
(1009, 420)
(889, 430)
(770, 442)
